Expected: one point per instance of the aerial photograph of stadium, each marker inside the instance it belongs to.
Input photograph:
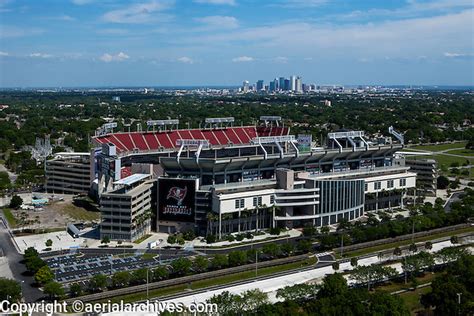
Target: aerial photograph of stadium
(237, 157)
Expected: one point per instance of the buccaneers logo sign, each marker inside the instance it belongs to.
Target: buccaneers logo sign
(177, 194)
(176, 199)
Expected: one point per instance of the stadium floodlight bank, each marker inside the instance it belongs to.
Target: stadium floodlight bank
(213, 120)
(237, 179)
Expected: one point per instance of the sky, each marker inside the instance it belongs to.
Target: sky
(78, 43)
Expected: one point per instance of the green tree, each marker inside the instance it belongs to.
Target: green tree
(271, 250)
(446, 292)
(171, 239)
(354, 261)
(254, 299)
(454, 239)
(139, 276)
(237, 258)
(16, 202)
(381, 303)
(75, 290)
(372, 274)
(442, 183)
(335, 266)
(428, 245)
(304, 246)
(181, 266)
(200, 264)
(333, 285)
(44, 275)
(298, 292)
(48, 243)
(105, 240)
(287, 248)
(54, 290)
(160, 273)
(33, 264)
(10, 290)
(397, 252)
(121, 279)
(450, 254)
(219, 261)
(98, 283)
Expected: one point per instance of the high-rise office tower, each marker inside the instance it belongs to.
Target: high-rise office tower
(286, 85)
(259, 85)
(293, 83)
(245, 86)
(273, 86)
(281, 83)
(298, 84)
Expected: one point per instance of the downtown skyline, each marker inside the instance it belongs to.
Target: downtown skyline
(219, 42)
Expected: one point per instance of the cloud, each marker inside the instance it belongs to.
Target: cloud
(4, 54)
(118, 57)
(113, 31)
(280, 60)
(302, 3)
(185, 60)
(81, 2)
(219, 2)
(427, 36)
(458, 55)
(140, 13)
(242, 59)
(219, 21)
(7, 31)
(411, 10)
(40, 55)
(65, 17)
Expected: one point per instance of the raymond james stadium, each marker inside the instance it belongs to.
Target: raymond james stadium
(222, 178)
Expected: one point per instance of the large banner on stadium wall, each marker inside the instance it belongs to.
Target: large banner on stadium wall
(176, 199)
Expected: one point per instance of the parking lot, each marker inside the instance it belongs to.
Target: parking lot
(71, 268)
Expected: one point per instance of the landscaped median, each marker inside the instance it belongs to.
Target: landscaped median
(404, 240)
(201, 280)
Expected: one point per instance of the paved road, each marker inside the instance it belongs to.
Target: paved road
(30, 293)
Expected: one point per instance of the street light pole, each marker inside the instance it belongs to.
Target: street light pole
(256, 263)
(147, 270)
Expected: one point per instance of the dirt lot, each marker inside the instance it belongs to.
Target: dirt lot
(54, 215)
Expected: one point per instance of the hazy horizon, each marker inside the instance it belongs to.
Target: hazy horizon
(92, 43)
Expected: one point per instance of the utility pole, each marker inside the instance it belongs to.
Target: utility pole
(256, 263)
(404, 270)
(147, 270)
(342, 244)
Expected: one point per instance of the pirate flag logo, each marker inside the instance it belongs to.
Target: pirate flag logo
(178, 194)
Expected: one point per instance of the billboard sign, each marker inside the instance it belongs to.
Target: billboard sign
(304, 142)
(176, 199)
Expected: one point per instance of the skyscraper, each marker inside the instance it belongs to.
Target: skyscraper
(273, 86)
(245, 86)
(259, 85)
(293, 83)
(287, 85)
(281, 83)
(298, 84)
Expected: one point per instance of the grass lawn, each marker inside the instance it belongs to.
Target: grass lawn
(412, 299)
(397, 286)
(462, 152)
(9, 217)
(211, 282)
(77, 213)
(368, 250)
(141, 239)
(441, 147)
